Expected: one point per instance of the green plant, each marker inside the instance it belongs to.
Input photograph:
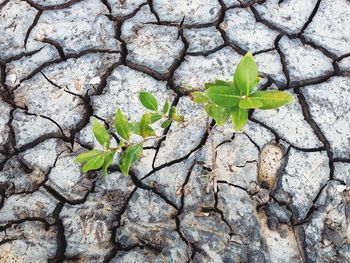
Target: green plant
(221, 100)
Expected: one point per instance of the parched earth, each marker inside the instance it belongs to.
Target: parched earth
(277, 192)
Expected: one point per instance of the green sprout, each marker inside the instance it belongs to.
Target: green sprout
(234, 98)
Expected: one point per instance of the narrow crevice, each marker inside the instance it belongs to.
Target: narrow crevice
(22, 55)
(341, 160)
(223, 33)
(35, 22)
(311, 17)
(220, 212)
(39, 140)
(253, 142)
(317, 130)
(58, 47)
(165, 132)
(283, 60)
(139, 184)
(312, 209)
(63, 199)
(313, 81)
(233, 185)
(187, 178)
(270, 25)
(3, 4)
(65, 5)
(119, 215)
(48, 118)
(263, 51)
(274, 133)
(153, 11)
(146, 70)
(315, 46)
(205, 53)
(61, 239)
(108, 5)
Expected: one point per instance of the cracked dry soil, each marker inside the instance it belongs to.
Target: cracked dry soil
(277, 192)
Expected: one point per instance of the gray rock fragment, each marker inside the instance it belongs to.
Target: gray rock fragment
(155, 47)
(88, 226)
(203, 39)
(244, 31)
(21, 206)
(20, 69)
(304, 176)
(79, 27)
(123, 8)
(330, 109)
(149, 220)
(28, 128)
(170, 180)
(194, 12)
(329, 27)
(28, 242)
(4, 119)
(270, 65)
(326, 235)
(242, 218)
(67, 179)
(288, 15)
(342, 172)
(14, 26)
(303, 61)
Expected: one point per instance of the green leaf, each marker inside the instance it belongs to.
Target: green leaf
(122, 125)
(199, 98)
(246, 74)
(166, 106)
(94, 163)
(219, 82)
(219, 114)
(166, 124)
(179, 118)
(239, 117)
(145, 129)
(107, 162)
(130, 155)
(135, 127)
(223, 96)
(207, 85)
(100, 133)
(272, 99)
(172, 111)
(86, 156)
(148, 101)
(155, 117)
(250, 103)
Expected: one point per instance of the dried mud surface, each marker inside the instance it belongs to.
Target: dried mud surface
(277, 192)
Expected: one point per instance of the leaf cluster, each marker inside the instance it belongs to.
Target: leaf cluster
(225, 99)
(130, 151)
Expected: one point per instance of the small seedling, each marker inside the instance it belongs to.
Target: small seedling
(221, 100)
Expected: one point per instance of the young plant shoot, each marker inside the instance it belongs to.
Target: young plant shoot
(221, 100)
